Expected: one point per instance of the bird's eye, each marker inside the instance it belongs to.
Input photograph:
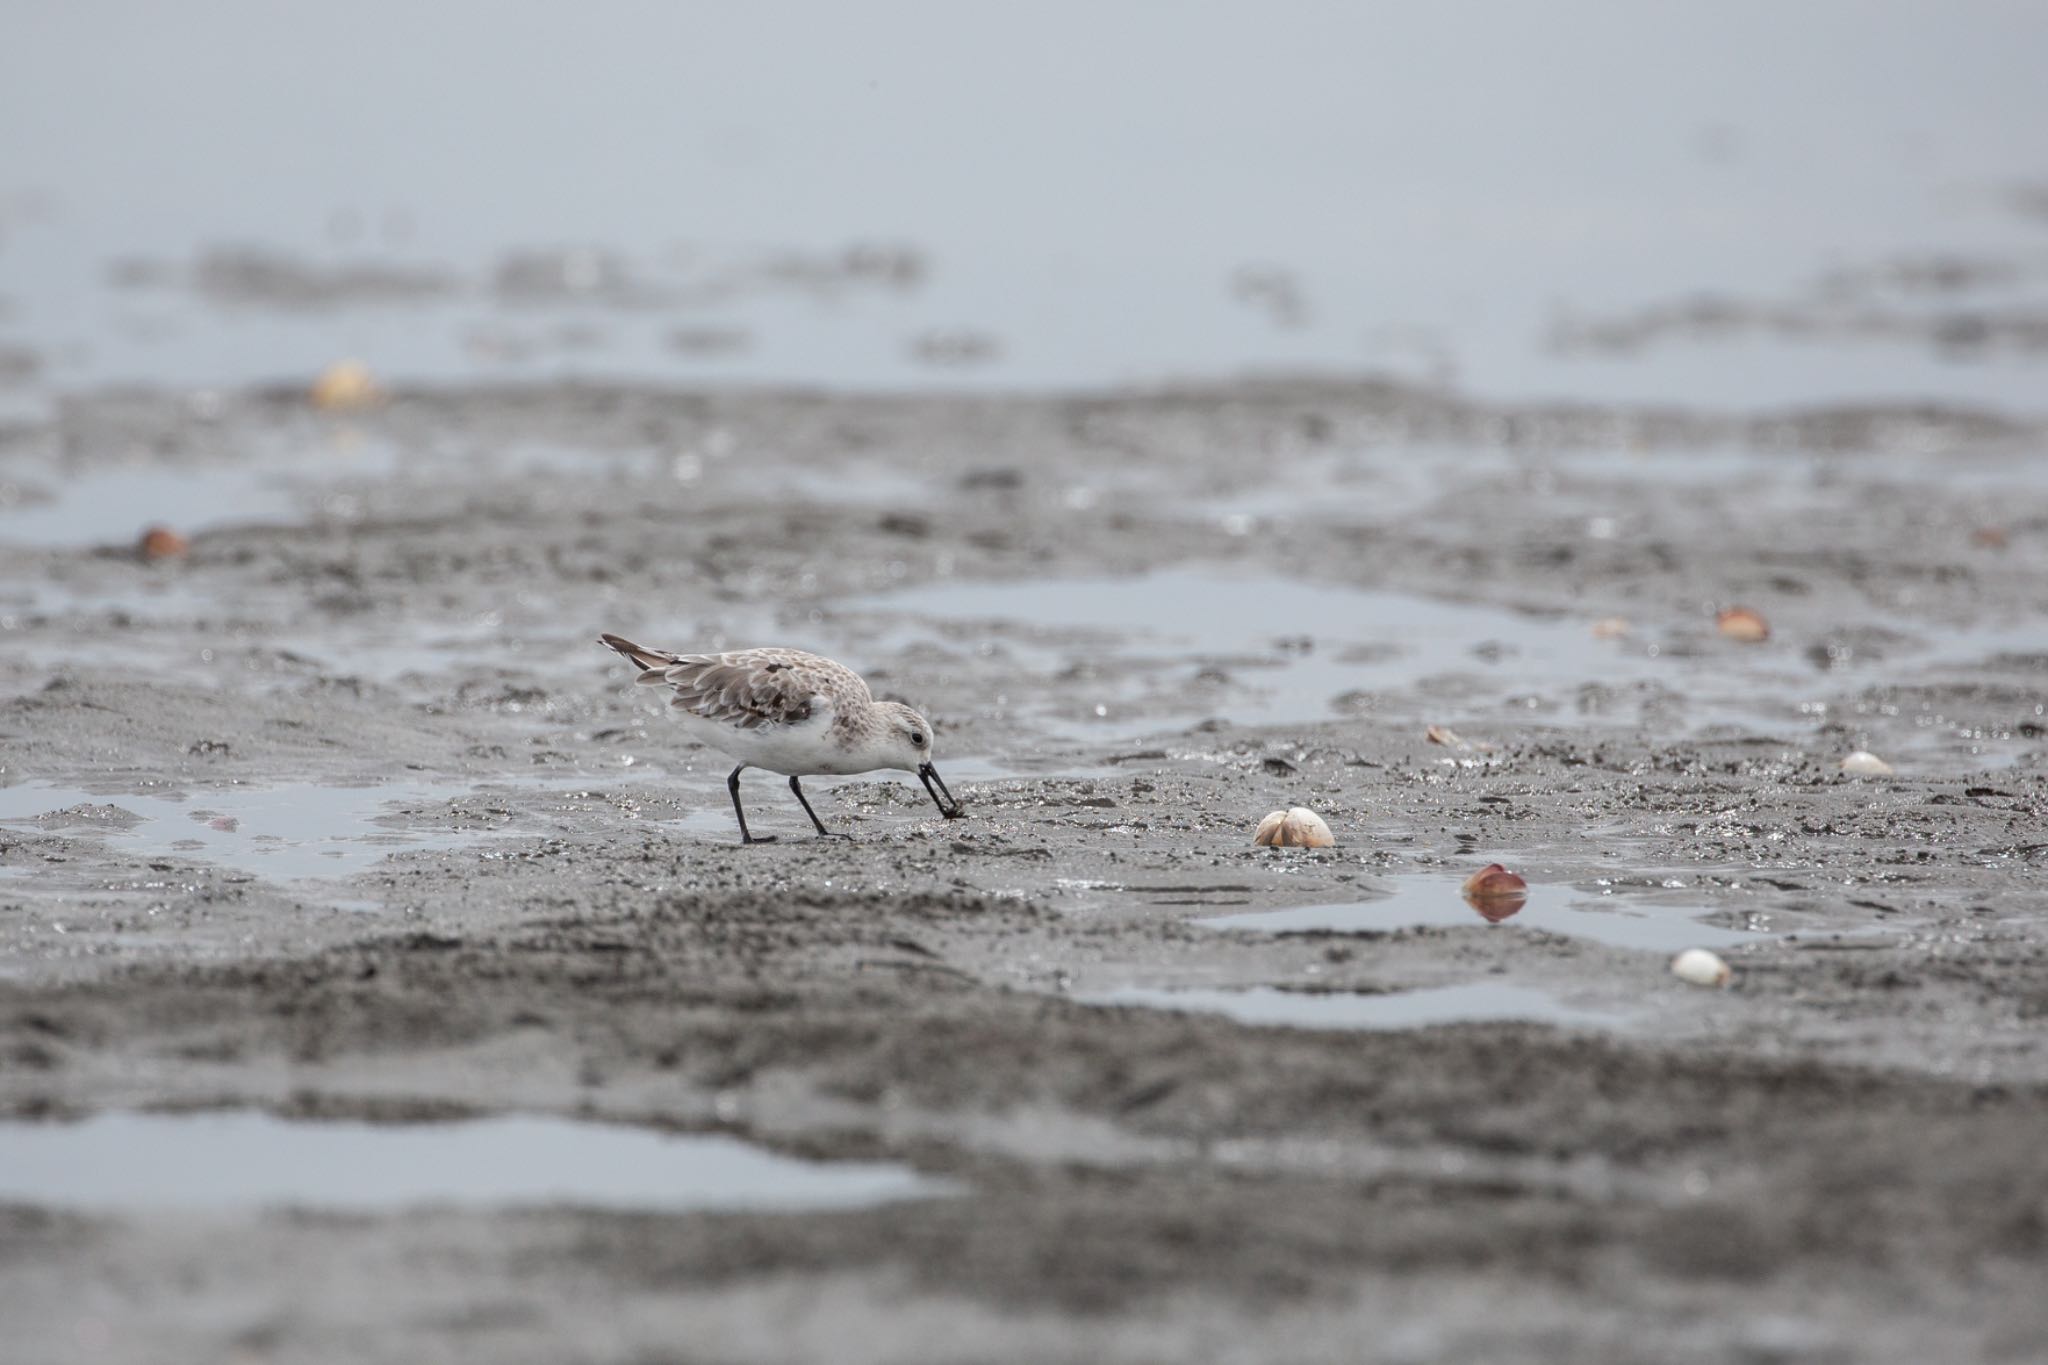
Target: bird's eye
(916, 739)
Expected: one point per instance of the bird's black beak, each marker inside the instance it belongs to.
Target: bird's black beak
(935, 787)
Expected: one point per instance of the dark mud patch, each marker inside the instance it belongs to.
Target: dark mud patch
(1271, 1169)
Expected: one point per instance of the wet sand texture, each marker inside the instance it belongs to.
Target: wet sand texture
(339, 818)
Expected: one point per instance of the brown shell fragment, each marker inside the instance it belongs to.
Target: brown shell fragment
(1299, 827)
(161, 542)
(1744, 624)
(1495, 892)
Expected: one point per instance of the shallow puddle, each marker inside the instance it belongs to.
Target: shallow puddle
(157, 598)
(1264, 1005)
(1385, 484)
(1258, 648)
(717, 824)
(283, 833)
(429, 649)
(234, 1160)
(1295, 646)
(308, 833)
(1418, 901)
(112, 506)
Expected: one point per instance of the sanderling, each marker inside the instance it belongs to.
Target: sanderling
(790, 712)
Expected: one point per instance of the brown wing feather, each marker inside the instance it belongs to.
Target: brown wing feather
(740, 690)
(750, 688)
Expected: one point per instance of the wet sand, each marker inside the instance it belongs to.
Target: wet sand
(343, 816)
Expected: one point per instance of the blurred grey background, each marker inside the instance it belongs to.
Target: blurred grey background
(1726, 203)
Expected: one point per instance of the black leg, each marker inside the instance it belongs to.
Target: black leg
(732, 784)
(823, 833)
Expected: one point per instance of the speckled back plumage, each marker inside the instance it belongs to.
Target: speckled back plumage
(752, 688)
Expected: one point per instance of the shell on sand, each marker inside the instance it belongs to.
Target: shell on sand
(1864, 763)
(1492, 881)
(1496, 893)
(1741, 623)
(1698, 967)
(1299, 827)
(161, 542)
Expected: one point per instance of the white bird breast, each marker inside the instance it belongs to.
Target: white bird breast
(807, 747)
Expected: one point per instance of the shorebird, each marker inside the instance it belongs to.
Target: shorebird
(789, 712)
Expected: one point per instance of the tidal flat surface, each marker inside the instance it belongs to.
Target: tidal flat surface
(1364, 408)
(344, 815)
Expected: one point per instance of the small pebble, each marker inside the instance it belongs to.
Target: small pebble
(1864, 763)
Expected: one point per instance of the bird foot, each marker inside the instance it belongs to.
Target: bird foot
(758, 839)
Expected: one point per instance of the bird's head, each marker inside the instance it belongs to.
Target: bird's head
(906, 743)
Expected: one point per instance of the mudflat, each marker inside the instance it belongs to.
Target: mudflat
(342, 816)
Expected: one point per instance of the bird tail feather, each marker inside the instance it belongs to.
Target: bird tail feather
(654, 663)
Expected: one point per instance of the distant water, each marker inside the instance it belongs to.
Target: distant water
(915, 196)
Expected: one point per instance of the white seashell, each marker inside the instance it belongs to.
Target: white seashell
(1296, 828)
(1698, 967)
(1866, 764)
